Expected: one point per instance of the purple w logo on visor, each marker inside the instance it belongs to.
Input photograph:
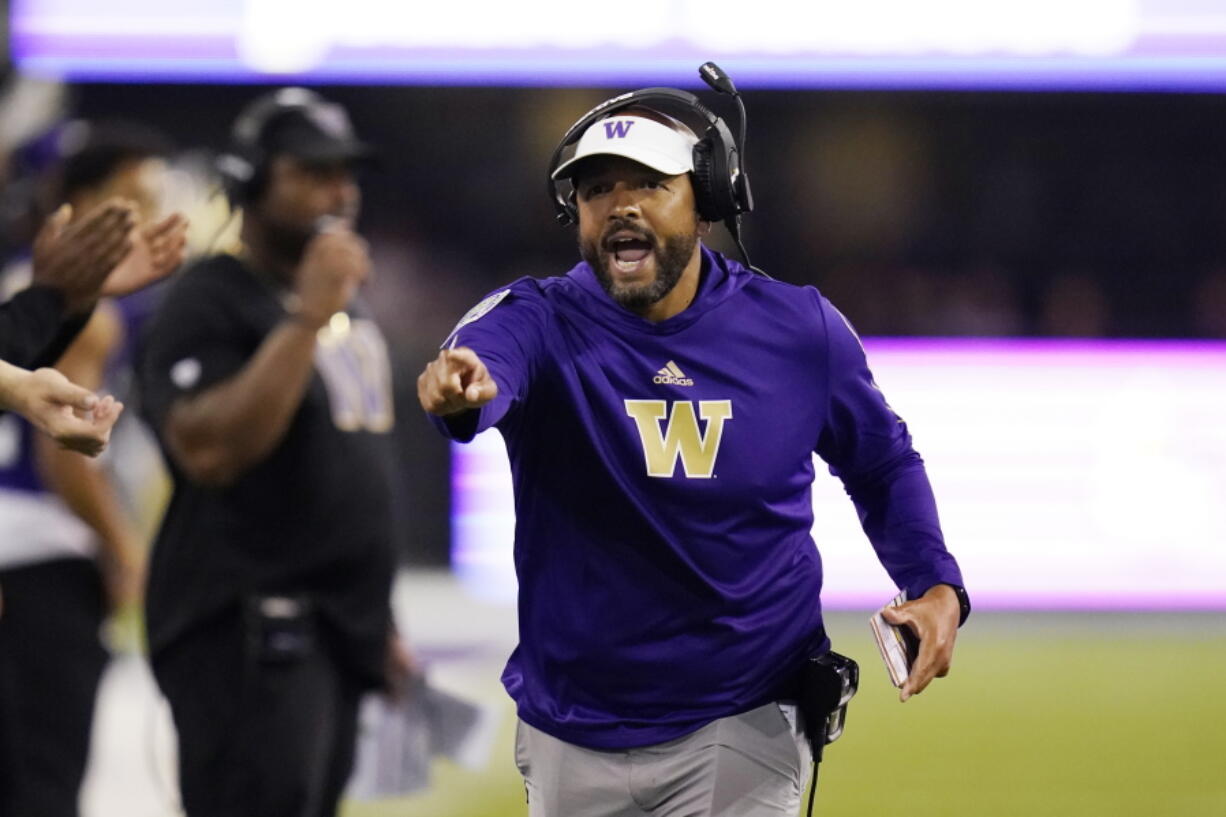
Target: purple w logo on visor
(617, 130)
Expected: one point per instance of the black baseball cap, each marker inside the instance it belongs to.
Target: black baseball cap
(318, 132)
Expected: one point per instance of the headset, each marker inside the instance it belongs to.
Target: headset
(721, 185)
(243, 168)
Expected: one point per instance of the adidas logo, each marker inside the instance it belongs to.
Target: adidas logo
(671, 375)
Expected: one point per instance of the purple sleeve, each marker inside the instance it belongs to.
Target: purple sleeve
(507, 338)
(868, 447)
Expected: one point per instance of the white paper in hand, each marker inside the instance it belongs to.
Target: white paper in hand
(897, 645)
(397, 739)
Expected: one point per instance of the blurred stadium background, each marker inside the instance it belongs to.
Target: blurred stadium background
(1022, 204)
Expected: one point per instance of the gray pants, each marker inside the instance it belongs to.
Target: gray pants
(754, 764)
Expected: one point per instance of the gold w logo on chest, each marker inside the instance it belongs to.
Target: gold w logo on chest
(680, 437)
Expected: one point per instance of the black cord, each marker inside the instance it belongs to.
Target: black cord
(733, 224)
(812, 789)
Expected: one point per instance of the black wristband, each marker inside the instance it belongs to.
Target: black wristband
(964, 602)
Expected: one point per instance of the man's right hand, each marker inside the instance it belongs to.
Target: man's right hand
(333, 265)
(77, 258)
(455, 381)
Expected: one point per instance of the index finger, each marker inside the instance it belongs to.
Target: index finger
(460, 359)
(67, 393)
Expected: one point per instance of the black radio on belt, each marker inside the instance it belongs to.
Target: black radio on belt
(279, 629)
(827, 684)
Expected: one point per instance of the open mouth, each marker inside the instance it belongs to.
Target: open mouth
(629, 253)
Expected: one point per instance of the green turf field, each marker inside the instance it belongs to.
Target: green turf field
(1044, 714)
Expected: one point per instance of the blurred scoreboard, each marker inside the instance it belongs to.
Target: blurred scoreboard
(1016, 44)
(1069, 475)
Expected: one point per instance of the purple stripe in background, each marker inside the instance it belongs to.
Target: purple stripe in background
(163, 63)
(1109, 45)
(1070, 475)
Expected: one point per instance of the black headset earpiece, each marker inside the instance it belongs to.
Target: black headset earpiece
(719, 189)
(243, 168)
(712, 192)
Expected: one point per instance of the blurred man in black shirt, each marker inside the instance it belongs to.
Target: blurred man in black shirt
(269, 389)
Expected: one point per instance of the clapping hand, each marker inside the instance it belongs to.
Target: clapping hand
(77, 258)
(106, 253)
(156, 251)
(73, 416)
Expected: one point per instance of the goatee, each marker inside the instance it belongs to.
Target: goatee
(671, 257)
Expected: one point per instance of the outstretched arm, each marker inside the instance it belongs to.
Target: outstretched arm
(483, 375)
(102, 253)
(35, 328)
(73, 416)
(69, 263)
(455, 381)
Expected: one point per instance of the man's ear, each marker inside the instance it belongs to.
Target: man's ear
(704, 228)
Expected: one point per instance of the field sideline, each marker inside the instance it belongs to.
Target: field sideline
(1119, 715)
(1051, 714)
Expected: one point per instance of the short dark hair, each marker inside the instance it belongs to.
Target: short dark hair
(99, 149)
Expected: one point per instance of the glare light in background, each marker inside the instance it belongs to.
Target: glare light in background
(1068, 475)
(896, 28)
(819, 43)
(268, 44)
(869, 27)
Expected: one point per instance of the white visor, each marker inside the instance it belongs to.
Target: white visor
(643, 140)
